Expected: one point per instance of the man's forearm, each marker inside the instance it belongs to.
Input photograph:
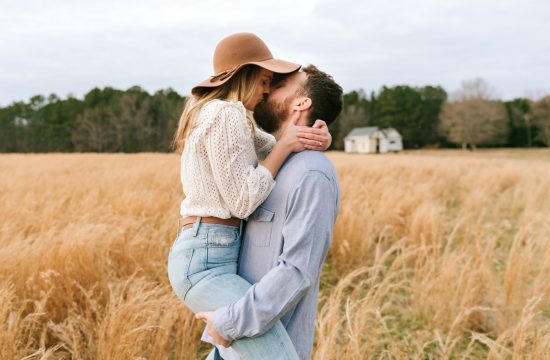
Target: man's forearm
(264, 303)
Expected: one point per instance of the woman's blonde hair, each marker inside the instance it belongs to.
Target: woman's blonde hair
(241, 87)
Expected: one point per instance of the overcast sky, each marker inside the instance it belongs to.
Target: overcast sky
(69, 47)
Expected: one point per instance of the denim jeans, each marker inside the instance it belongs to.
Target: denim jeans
(202, 268)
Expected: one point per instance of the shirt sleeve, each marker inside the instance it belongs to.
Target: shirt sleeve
(263, 143)
(242, 183)
(307, 233)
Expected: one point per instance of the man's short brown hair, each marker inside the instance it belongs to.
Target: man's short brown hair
(325, 95)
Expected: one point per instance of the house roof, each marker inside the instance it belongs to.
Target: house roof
(391, 132)
(363, 131)
(372, 130)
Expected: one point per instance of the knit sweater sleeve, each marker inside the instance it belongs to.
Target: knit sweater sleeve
(242, 182)
(263, 143)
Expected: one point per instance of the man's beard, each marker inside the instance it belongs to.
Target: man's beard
(269, 115)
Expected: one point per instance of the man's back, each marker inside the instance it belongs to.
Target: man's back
(290, 233)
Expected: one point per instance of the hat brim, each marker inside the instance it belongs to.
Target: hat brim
(276, 65)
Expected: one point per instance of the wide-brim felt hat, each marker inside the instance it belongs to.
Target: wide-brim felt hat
(237, 50)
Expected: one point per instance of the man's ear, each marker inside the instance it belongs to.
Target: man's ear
(302, 103)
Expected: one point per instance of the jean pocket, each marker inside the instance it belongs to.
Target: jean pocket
(259, 226)
(178, 271)
(223, 247)
(222, 237)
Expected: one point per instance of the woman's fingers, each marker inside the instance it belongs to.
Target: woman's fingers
(313, 147)
(311, 144)
(316, 134)
(313, 137)
(309, 130)
(294, 118)
(319, 124)
(318, 139)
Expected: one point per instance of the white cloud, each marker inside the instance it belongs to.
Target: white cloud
(72, 46)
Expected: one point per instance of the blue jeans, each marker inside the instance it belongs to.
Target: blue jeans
(202, 268)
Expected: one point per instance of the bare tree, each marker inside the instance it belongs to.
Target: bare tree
(92, 131)
(476, 88)
(474, 117)
(131, 124)
(124, 125)
(474, 122)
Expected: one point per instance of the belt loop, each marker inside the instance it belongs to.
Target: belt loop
(196, 226)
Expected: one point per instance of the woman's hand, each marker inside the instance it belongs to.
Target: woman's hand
(290, 137)
(287, 143)
(316, 137)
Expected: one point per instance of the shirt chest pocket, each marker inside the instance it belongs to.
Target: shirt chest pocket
(259, 227)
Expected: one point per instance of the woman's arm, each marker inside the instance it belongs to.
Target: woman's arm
(242, 182)
(316, 137)
(263, 143)
(287, 144)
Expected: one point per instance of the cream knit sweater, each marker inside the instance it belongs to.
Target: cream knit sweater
(220, 172)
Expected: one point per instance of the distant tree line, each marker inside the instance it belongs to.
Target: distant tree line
(105, 120)
(428, 117)
(111, 120)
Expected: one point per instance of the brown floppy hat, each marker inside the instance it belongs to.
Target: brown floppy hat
(237, 50)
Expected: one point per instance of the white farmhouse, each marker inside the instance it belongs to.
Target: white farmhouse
(373, 139)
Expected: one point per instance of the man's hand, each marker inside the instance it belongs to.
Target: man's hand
(208, 318)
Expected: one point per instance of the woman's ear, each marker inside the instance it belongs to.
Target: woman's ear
(302, 103)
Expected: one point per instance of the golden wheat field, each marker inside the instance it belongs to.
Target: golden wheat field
(436, 255)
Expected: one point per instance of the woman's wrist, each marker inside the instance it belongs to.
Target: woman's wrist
(277, 157)
(283, 146)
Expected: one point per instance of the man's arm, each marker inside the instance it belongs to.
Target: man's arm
(307, 232)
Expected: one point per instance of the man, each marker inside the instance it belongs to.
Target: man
(287, 238)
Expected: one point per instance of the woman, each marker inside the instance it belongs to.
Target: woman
(228, 168)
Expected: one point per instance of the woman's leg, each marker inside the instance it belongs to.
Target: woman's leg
(212, 293)
(202, 269)
(214, 355)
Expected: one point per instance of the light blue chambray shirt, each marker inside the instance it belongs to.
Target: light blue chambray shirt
(285, 243)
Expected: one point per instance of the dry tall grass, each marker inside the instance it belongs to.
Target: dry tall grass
(434, 257)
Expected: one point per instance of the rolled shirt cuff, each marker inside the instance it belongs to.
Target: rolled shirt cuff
(223, 324)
